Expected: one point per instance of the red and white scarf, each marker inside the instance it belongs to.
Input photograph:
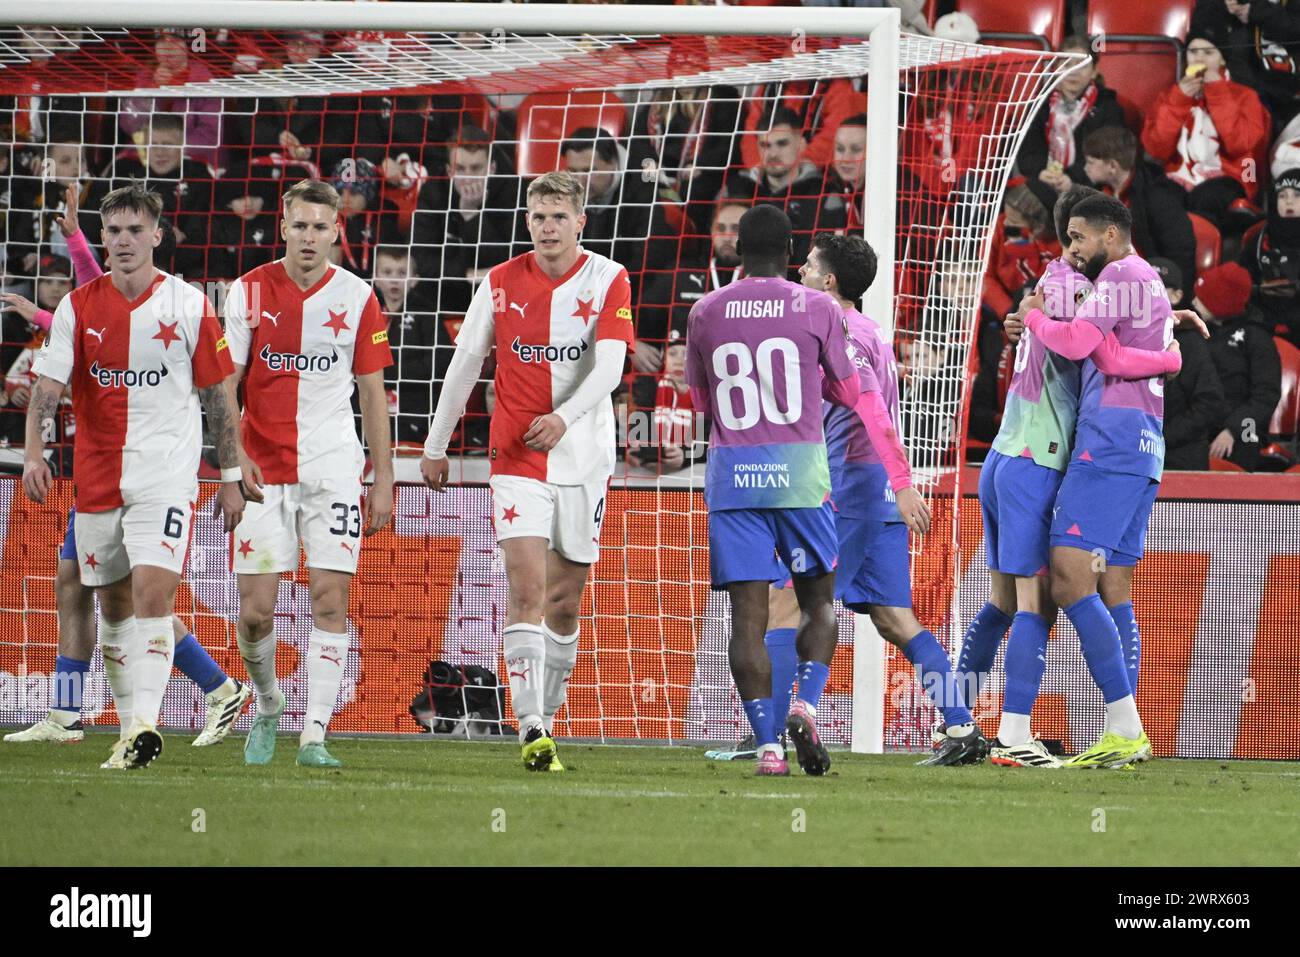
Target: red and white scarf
(1198, 147)
(1063, 118)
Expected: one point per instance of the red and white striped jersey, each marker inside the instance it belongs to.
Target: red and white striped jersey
(302, 349)
(545, 331)
(134, 368)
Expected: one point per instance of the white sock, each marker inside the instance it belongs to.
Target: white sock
(222, 692)
(561, 656)
(64, 719)
(117, 642)
(524, 649)
(155, 642)
(326, 656)
(1013, 729)
(1122, 717)
(259, 659)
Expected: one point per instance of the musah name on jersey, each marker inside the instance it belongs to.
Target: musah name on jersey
(755, 309)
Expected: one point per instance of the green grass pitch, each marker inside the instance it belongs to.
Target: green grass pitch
(437, 803)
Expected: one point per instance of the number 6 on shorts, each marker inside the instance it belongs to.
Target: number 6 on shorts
(174, 523)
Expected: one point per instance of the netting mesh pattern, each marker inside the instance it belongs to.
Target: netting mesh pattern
(230, 62)
(1214, 599)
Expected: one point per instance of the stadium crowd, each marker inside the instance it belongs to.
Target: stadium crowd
(432, 186)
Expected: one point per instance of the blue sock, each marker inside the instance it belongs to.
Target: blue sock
(979, 648)
(197, 665)
(926, 654)
(759, 713)
(1026, 662)
(69, 680)
(1099, 641)
(812, 682)
(785, 662)
(1130, 641)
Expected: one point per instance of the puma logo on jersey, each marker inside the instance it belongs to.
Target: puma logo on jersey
(112, 378)
(296, 361)
(170, 548)
(515, 305)
(348, 546)
(274, 317)
(97, 333)
(547, 353)
(331, 660)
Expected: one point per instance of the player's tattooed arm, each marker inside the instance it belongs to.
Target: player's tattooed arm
(229, 501)
(42, 412)
(252, 472)
(221, 424)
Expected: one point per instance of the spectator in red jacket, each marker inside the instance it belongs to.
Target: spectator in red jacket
(1262, 47)
(1210, 133)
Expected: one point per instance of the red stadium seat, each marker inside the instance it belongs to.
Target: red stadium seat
(1154, 18)
(1038, 24)
(1139, 72)
(1209, 244)
(1141, 52)
(476, 108)
(1280, 454)
(1250, 235)
(547, 118)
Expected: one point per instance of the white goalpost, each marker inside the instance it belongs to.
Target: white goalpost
(943, 123)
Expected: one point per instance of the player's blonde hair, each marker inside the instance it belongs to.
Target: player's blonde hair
(561, 184)
(136, 197)
(312, 191)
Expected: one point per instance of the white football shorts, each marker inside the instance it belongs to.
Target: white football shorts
(111, 543)
(567, 516)
(326, 516)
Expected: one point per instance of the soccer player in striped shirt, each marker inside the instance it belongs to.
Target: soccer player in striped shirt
(76, 602)
(141, 351)
(561, 320)
(752, 355)
(301, 332)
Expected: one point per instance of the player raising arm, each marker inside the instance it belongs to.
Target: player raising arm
(141, 350)
(561, 320)
(301, 332)
(752, 353)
